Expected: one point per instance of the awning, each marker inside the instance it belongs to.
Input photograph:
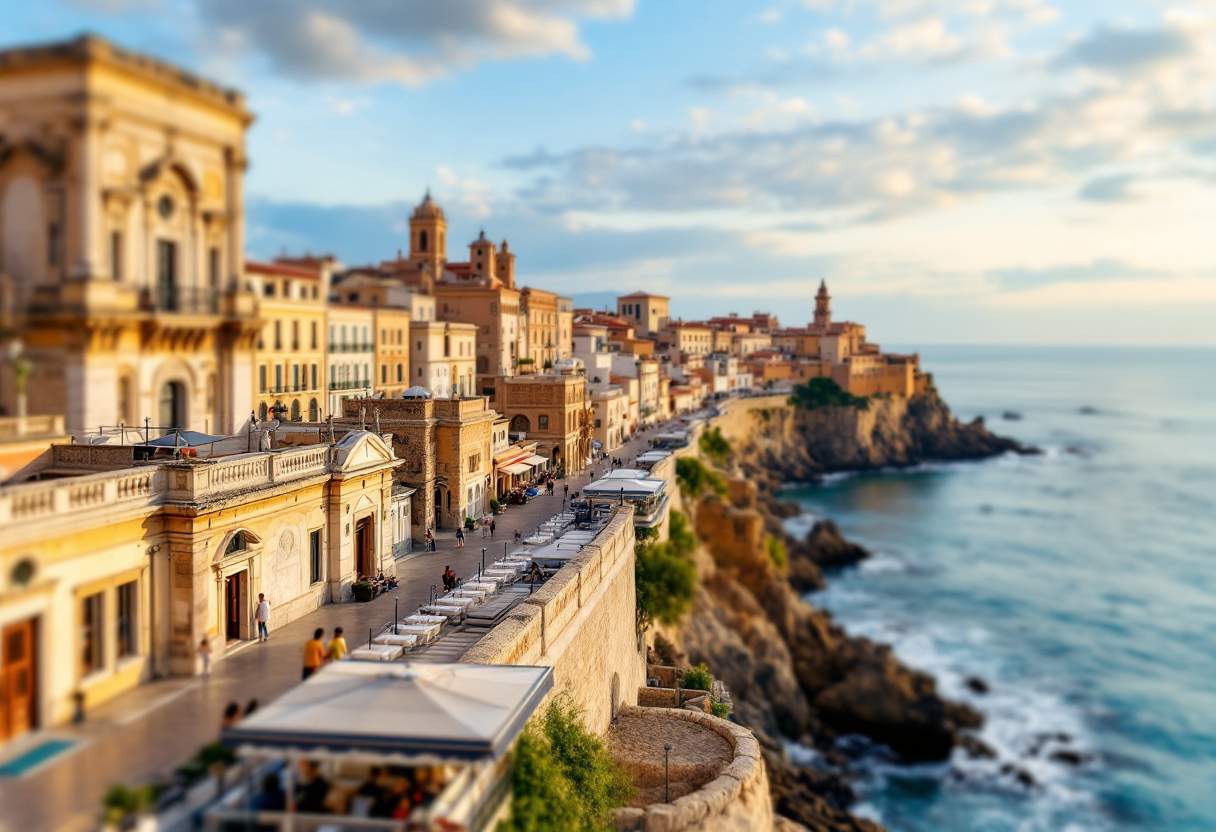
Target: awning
(536, 460)
(185, 439)
(458, 711)
(516, 468)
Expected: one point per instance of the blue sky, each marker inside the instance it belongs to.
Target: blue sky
(1016, 171)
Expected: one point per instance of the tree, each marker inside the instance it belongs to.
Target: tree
(823, 392)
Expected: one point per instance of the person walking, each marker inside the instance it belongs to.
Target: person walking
(491, 528)
(517, 535)
(262, 616)
(427, 540)
(336, 651)
(204, 653)
(459, 537)
(314, 653)
(567, 487)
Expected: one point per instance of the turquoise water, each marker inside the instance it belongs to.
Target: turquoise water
(1081, 585)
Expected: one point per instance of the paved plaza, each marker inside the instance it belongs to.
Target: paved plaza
(148, 732)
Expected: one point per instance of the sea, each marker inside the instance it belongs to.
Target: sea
(1078, 585)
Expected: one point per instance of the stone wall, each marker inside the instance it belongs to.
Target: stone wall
(582, 623)
(736, 801)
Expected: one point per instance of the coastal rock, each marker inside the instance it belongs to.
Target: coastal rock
(828, 549)
(977, 685)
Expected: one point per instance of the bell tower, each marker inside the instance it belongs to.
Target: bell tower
(428, 235)
(823, 306)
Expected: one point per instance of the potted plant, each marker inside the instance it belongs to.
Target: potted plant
(362, 590)
(496, 506)
(469, 524)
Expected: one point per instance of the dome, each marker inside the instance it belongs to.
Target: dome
(428, 209)
(416, 393)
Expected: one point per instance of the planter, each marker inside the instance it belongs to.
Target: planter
(362, 590)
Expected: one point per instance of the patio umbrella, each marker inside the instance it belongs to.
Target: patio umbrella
(185, 439)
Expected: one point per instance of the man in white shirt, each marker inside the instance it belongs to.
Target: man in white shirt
(262, 615)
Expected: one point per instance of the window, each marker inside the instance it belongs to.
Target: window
(278, 378)
(213, 266)
(52, 244)
(236, 544)
(262, 412)
(384, 374)
(313, 386)
(597, 423)
(295, 377)
(542, 422)
(400, 372)
(419, 372)
(278, 335)
(91, 658)
(447, 346)
(312, 410)
(314, 556)
(126, 633)
(166, 274)
(116, 255)
(295, 335)
(268, 290)
(262, 379)
(295, 410)
(314, 341)
(422, 240)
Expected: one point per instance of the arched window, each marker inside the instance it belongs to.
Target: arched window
(520, 424)
(124, 400)
(312, 410)
(173, 405)
(483, 364)
(262, 412)
(422, 240)
(236, 544)
(295, 410)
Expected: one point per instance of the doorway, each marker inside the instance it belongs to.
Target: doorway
(18, 676)
(173, 405)
(438, 508)
(365, 560)
(234, 597)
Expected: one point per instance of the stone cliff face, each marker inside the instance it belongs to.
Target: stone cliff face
(785, 444)
(793, 673)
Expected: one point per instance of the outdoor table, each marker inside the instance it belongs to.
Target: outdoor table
(446, 610)
(419, 618)
(474, 594)
(402, 640)
(455, 600)
(377, 652)
(424, 631)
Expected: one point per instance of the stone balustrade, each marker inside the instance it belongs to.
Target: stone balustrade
(22, 427)
(49, 499)
(206, 480)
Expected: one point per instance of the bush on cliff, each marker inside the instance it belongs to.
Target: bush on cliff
(823, 392)
(665, 576)
(775, 548)
(715, 446)
(695, 478)
(562, 777)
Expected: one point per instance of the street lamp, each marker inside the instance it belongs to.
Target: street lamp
(666, 772)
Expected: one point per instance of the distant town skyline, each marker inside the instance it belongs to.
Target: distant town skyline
(1007, 171)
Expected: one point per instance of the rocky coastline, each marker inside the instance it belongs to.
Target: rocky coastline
(795, 675)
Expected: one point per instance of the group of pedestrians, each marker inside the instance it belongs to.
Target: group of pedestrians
(318, 652)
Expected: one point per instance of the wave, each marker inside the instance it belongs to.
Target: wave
(1034, 783)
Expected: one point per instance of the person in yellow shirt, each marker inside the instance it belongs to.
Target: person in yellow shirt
(337, 647)
(314, 653)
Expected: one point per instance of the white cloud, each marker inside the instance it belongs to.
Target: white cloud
(405, 41)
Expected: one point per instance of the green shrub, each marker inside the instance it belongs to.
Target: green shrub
(823, 392)
(562, 777)
(698, 677)
(775, 547)
(715, 446)
(680, 536)
(643, 535)
(695, 478)
(121, 802)
(362, 590)
(720, 709)
(494, 504)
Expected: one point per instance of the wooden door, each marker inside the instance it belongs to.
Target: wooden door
(363, 548)
(232, 592)
(17, 677)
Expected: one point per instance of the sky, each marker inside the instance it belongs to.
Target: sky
(959, 171)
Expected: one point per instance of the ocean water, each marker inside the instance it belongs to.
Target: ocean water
(1080, 585)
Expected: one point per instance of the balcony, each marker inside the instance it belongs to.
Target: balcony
(336, 348)
(349, 385)
(185, 300)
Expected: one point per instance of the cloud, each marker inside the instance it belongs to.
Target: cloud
(1098, 271)
(1129, 50)
(1117, 188)
(405, 41)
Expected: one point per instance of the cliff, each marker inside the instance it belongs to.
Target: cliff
(793, 673)
(786, 444)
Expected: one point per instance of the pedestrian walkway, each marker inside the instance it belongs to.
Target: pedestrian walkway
(145, 734)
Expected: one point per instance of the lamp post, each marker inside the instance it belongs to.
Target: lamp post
(666, 772)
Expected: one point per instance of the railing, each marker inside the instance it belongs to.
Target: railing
(17, 427)
(198, 482)
(350, 347)
(349, 385)
(182, 299)
(62, 498)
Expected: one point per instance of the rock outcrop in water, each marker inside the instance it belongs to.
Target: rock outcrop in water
(794, 674)
(787, 444)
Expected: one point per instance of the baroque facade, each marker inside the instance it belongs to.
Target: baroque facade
(122, 238)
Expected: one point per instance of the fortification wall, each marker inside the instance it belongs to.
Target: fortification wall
(582, 623)
(737, 800)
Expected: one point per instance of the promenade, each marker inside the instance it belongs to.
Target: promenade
(146, 733)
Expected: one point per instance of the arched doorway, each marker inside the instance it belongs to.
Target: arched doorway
(173, 405)
(438, 508)
(520, 424)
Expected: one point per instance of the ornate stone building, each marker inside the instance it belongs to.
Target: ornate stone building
(116, 573)
(551, 410)
(121, 238)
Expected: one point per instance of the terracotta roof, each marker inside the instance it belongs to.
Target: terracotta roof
(281, 270)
